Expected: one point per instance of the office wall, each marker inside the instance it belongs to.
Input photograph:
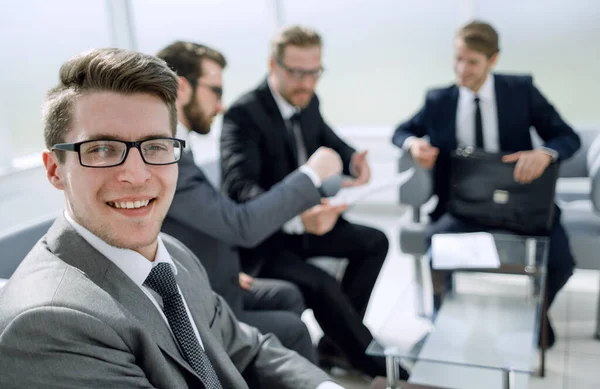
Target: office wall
(240, 29)
(36, 37)
(380, 55)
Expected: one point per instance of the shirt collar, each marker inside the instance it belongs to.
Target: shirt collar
(485, 93)
(286, 109)
(132, 263)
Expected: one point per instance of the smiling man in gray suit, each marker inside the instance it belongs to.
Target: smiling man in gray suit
(103, 300)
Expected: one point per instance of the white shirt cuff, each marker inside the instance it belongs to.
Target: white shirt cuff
(329, 385)
(408, 142)
(314, 177)
(294, 226)
(553, 153)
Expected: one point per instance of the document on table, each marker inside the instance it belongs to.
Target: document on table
(469, 250)
(353, 194)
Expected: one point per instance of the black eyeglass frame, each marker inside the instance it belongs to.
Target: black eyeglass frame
(299, 74)
(77, 147)
(217, 90)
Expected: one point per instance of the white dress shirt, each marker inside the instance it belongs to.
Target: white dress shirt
(465, 116)
(137, 267)
(287, 110)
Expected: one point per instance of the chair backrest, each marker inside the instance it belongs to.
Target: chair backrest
(577, 165)
(17, 242)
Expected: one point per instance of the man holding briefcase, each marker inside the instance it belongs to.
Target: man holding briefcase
(494, 113)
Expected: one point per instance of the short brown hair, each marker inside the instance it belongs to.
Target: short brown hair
(112, 70)
(294, 36)
(480, 36)
(185, 58)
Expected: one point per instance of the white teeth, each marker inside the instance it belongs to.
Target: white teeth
(129, 204)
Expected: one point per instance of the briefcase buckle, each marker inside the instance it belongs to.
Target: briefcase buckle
(501, 196)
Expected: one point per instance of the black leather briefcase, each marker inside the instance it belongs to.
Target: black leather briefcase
(483, 190)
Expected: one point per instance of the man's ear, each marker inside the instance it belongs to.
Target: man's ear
(54, 171)
(272, 64)
(493, 60)
(184, 90)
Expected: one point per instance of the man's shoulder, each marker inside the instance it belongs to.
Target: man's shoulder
(513, 80)
(440, 93)
(250, 98)
(44, 281)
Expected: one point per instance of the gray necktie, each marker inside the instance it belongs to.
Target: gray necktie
(299, 140)
(162, 281)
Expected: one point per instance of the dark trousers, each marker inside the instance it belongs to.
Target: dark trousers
(560, 259)
(338, 307)
(275, 306)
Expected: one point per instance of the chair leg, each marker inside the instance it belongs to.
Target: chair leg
(420, 281)
(597, 335)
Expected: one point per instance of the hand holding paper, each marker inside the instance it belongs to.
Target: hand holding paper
(351, 195)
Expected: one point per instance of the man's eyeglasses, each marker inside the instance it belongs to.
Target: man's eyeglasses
(108, 153)
(299, 74)
(217, 90)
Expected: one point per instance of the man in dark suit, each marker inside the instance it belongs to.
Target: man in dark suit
(104, 300)
(210, 224)
(266, 135)
(493, 112)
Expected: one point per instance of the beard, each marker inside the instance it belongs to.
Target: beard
(198, 121)
(300, 98)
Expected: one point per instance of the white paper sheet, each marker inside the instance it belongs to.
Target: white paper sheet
(469, 250)
(353, 194)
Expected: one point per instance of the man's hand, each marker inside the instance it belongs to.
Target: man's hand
(424, 153)
(325, 163)
(246, 281)
(530, 164)
(321, 218)
(361, 168)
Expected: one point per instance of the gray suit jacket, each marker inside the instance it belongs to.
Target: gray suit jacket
(70, 318)
(210, 224)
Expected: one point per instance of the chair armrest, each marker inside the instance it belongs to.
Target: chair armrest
(419, 188)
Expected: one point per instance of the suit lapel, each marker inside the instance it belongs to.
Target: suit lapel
(502, 107)
(188, 279)
(71, 248)
(451, 117)
(280, 135)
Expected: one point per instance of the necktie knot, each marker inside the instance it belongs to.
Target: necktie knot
(162, 280)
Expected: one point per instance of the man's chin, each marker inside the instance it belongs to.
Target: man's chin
(202, 130)
(301, 103)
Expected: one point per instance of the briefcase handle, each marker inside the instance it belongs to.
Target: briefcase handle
(472, 152)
